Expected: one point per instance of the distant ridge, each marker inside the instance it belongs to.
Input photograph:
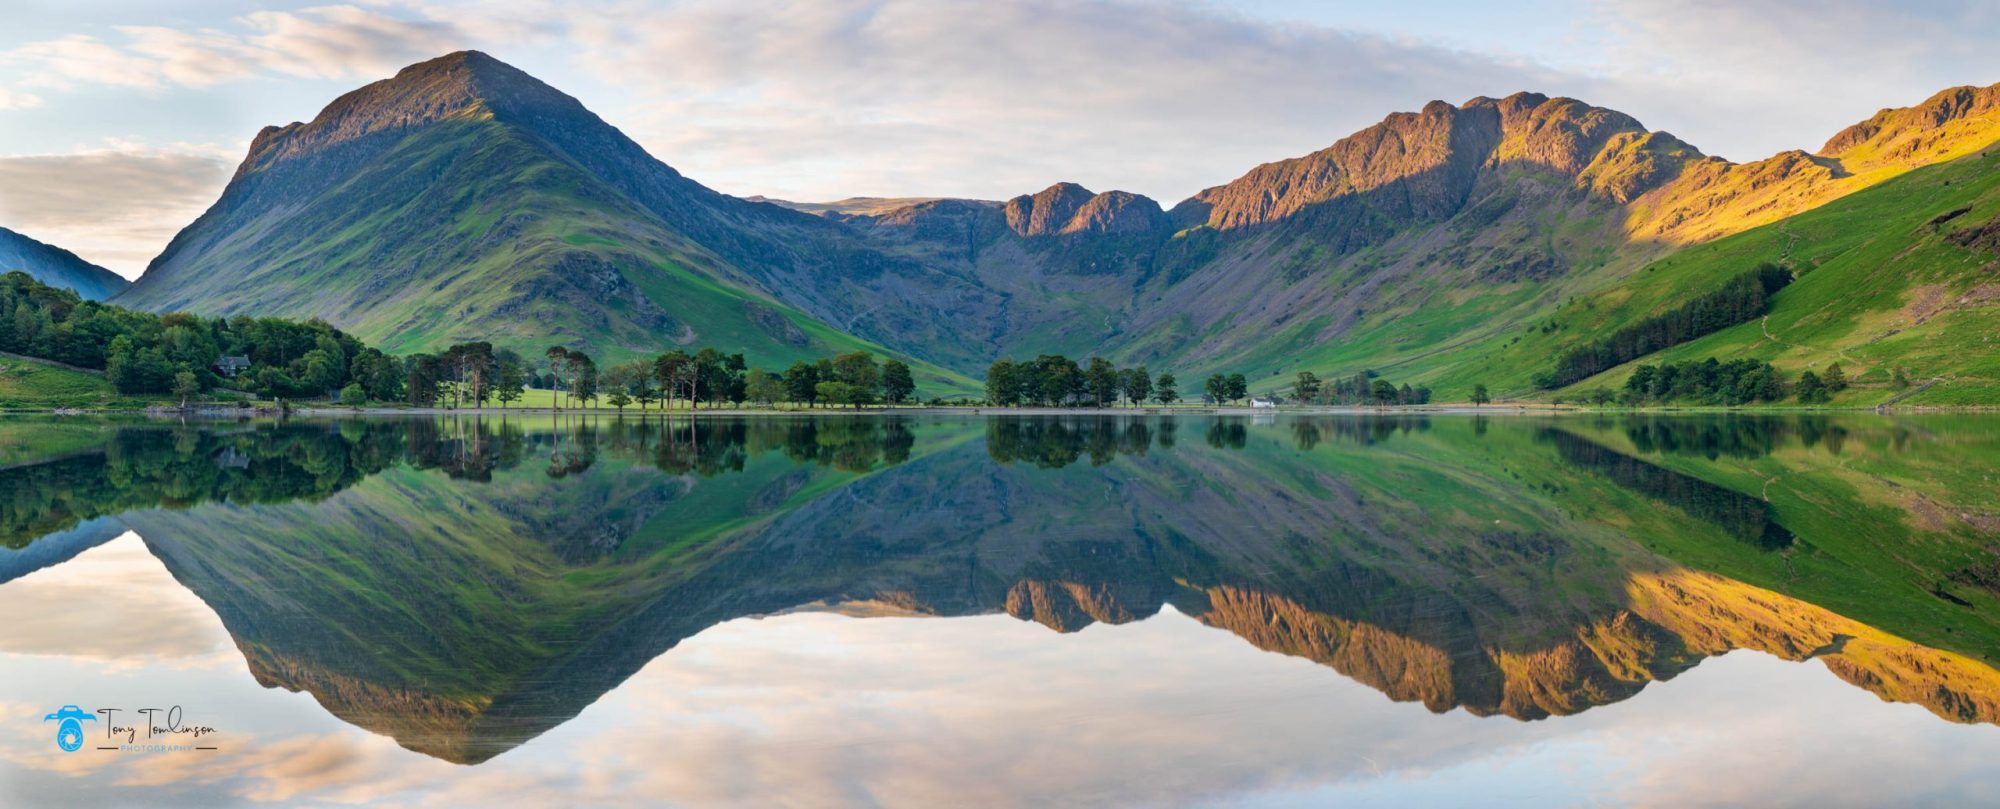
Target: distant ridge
(57, 267)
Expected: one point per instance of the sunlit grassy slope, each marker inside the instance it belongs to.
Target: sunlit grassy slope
(1880, 286)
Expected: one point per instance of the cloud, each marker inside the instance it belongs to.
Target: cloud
(326, 42)
(116, 205)
(1003, 98)
(333, 42)
(17, 100)
(1749, 80)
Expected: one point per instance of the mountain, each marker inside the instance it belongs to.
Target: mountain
(463, 199)
(1434, 246)
(1426, 245)
(57, 267)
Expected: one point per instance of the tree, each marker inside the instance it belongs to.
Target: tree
(1101, 381)
(1054, 380)
(583, 381)
(1238, 387)
(617, 379)
(1383, 391)
(763, 386)
(472, 368)
(733, 369)
(1216, 386)
(132, 369)
(1306, 387)
(802, 383)
(642, 389)
(839, 393)
(1479, 395)
(1003, 383)
(715, 376)
(186, 386)
(1900, 381)
(353, 395)
(619, 399)
(1138, 384)
(1811, 390)
(674, 370)
(380, 375)
(1163, 390)
(897, 386)
(858, 371)
(511, 381)
(558, 369)
(421, 384)
(319, 372)
(1835, 379)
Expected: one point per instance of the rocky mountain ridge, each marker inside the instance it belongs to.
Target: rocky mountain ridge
(1427, 232)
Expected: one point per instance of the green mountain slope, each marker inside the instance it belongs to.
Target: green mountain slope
(464, 200)
(1903, 275)
(57, 267)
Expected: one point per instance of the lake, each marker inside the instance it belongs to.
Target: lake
(1002, 611)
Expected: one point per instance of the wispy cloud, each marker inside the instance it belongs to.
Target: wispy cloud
(331, 42)
(1001, 98)
(1748, 80)
(117, 204)
(18, 100)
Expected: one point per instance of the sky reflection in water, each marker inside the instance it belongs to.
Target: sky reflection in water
(865, 617)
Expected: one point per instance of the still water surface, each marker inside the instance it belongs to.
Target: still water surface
(1293, 611)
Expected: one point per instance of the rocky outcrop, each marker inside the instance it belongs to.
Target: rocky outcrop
(1432, 158)
(1068, 208)
(1909, 132)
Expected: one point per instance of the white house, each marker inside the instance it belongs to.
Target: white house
(1263, 403)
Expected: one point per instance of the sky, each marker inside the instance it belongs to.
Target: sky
(121, 120)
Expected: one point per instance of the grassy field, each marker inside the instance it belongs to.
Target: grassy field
(27, 384)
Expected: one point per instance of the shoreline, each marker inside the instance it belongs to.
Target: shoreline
(216, 412)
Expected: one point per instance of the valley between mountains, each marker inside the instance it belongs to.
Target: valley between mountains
(1456, 245)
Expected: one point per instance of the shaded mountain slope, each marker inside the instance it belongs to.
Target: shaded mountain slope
(463, 199)
(57, 267)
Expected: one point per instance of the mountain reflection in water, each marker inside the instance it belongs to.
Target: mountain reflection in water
(465, 585)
